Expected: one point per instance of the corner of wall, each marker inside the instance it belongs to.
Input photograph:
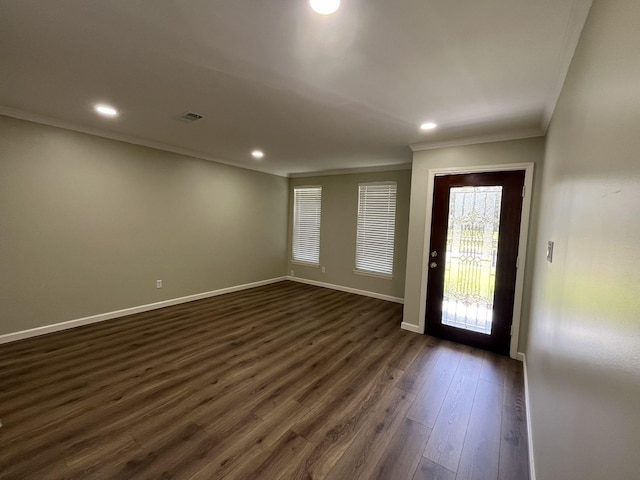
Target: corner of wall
(532, 464)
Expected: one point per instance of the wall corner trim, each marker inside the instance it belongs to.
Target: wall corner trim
(341, 288)
(411, 327)
(463, 141)
(56, 327)
(98, 132)
(532, 465)
(348, 171)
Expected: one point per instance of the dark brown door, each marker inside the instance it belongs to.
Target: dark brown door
(475, 231)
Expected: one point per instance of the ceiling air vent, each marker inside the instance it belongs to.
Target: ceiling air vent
(191, 117)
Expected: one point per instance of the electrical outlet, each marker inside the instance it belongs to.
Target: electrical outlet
(291, 273)
(158, 283)
(324, 270)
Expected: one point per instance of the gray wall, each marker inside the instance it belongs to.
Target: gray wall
(583, 354)
(339, 227)
(87, 225)
(495, 153)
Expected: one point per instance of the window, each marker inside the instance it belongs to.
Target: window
(306, 224)
(376, 227)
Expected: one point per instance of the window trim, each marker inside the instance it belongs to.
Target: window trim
(304, 264)
(371, 273)
(293, 227)
(368, 273)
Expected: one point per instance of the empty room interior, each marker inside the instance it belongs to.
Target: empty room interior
(320, 239)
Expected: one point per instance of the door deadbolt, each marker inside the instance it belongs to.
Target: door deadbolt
(433, 264)
(434, 254)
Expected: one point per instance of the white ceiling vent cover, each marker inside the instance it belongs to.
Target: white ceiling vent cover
(191, 116)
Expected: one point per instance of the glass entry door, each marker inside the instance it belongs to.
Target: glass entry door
(472, 263)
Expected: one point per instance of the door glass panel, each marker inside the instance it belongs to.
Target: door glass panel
(472, 249)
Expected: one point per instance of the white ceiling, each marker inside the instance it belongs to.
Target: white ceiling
(314, 92)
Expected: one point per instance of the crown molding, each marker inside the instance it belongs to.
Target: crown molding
(97, 132)
(458, 142)
(346, 171)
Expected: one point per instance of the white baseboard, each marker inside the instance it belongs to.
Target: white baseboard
(56, 327)
(411, 327)
(532, 464)
(333, 286)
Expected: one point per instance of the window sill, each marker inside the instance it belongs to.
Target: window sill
(304, 264)
(366, 273)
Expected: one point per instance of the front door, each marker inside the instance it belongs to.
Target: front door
(475, 232)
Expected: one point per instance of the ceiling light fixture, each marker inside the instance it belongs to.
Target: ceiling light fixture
(257, 154)
(428, 126)
(324, 7)
(106, 110)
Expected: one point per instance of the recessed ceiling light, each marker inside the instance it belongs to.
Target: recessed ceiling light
(428, 126)
(324, 7)
(105, 110)
(257, 154)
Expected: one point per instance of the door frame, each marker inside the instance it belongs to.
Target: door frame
(522, 241)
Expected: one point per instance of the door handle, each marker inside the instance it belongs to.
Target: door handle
(433, 265)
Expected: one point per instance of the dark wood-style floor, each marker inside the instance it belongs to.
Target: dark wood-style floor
(285, 381)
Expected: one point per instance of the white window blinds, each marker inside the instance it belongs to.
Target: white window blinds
(306, 224)
(376, 227)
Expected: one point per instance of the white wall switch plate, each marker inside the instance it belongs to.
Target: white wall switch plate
(550, 252)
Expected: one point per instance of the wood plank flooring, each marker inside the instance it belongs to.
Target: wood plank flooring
(285, 381)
